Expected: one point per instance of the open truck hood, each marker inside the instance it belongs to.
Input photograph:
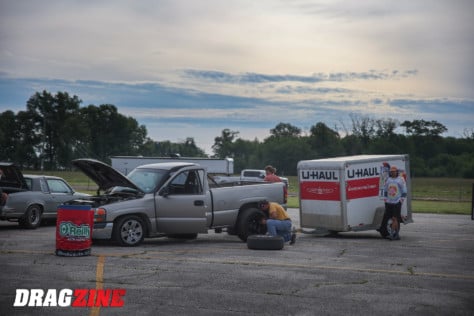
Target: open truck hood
(103, 175)
(12, 177)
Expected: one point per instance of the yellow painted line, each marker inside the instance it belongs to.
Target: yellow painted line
(99, 282)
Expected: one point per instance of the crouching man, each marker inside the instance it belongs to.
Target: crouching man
(278, 222)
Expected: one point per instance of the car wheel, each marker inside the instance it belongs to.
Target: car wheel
(265, 242)
(129, 231)
(32, 217)
(249, 223)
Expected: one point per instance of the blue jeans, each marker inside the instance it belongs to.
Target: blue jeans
(276, 227)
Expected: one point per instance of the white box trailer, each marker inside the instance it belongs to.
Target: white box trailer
(346, 193)
(125, 164)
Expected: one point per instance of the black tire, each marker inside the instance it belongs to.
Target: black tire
(32, 217)
(183, 236)
(129, 231)
(249, 223)
(265, 242)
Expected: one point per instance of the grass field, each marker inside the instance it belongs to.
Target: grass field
(429, 195)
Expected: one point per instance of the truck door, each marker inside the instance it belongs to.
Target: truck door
(183, 207)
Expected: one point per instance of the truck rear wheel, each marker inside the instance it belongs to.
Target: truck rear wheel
(249, 223)
(129, 231)
(265, 242)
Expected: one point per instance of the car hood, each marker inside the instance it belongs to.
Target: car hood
(103, 175)
(12, 177)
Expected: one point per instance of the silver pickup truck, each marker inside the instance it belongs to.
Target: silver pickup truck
(175, 199)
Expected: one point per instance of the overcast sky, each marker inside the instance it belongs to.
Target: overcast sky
(190, 68)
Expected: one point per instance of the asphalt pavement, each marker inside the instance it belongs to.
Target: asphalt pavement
(430, 271)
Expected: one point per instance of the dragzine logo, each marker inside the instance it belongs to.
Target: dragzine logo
(69, 298)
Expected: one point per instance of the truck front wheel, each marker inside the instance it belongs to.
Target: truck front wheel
(249, 223)
(129, 231)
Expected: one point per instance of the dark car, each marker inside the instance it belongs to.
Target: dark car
(28, 199)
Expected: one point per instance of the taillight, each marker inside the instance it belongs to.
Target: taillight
(99, 215)
(285, 194)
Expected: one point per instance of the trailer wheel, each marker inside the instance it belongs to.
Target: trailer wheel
(265, 242)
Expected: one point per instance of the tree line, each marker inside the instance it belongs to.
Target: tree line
(55, 129)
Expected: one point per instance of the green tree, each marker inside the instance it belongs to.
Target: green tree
(324, 141)
(27, 141)
(52, 115)
(424, 128)
(284, 153)
(8, 133)
(285, 130)
(246, 154)
(363, 128)
(223, 145)
(426, 137)
(187, 148)
(111, 133)
(352, 145)
(385, 128)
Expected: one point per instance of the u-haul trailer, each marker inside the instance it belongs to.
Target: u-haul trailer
(346, 193)
(125, 164)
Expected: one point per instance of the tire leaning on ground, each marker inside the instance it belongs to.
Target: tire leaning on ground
(129, 231)
(32, 217)
(265, 242)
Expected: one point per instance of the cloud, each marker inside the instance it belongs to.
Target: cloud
(187, 65)
(253, 78)
(288, 89)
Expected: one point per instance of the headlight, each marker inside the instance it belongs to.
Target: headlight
(100, 215)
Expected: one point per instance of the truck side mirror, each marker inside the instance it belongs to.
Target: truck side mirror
(164, 192)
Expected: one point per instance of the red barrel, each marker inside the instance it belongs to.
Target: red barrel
(74, 230)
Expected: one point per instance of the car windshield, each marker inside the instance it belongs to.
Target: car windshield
(148, 180)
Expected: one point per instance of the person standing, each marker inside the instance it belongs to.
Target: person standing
(270, 174)
(278, 222)
(272, 177)
(395, 193)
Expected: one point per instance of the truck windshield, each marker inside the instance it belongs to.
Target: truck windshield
(148, 180)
